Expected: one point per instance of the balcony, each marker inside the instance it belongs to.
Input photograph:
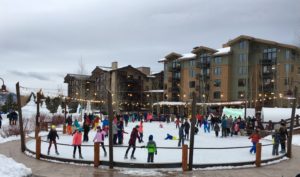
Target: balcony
(268, 61)
(203, 65)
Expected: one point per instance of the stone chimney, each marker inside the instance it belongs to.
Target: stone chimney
(145, 70)
(114, 65)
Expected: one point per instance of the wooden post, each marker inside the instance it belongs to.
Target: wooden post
(23, 147)
(297, 120)
(65, 118)
(37, 125)
(38, 147)
(110, 118)
(290, 137)
(258, 155)
(184, 157)
(193, 122)
(96, 154)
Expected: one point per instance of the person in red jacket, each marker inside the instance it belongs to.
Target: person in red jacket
(255, 137)
(77, 140)
(133, 136)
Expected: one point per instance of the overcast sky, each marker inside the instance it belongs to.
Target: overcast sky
(42, 41)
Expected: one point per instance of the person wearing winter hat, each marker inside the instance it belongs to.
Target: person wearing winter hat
(151, 146)
(52, 135)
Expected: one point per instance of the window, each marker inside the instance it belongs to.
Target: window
(242, 44)
(287, 54)
(217, 71)
(288, 68)
(242, 70)
(217, 95)
(243, 58)
(286, 81)
(217, 83)
(218, 60)
(269, 54)
(192, 73)
(242, 82)
(192, 63)
(204, 58)
(192, 84)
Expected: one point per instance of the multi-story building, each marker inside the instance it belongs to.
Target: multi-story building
(131, 88)
(258, 71)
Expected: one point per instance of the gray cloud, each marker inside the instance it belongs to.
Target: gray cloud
(51, 36)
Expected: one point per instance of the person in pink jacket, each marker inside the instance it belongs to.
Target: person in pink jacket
(77, 140)
(141, 131)
(99, 138)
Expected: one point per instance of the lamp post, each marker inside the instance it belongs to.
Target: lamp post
(3, 87)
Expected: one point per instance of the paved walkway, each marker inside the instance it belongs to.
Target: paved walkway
(288, 168)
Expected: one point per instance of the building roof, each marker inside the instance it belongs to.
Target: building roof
(104, 68)
(223, 51)
(78, 76)
(128, 67)
(187, 56)
(201, 48)
(250, 38)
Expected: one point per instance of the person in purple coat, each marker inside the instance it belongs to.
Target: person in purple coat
(133, 136)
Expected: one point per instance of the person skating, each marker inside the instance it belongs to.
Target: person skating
(255, 137)
(217, 129)
(151, 146)
(141, 131)
(276, 141)
(99, 137)
(77, 140)
(86, 129)
(283, 136)
(69, 122)
(133, 136)
(52, 135)
(181, 135)
(186, 129)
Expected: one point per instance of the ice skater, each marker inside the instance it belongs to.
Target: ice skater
(133, 136)
(52, 135)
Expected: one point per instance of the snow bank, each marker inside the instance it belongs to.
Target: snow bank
(11, 168)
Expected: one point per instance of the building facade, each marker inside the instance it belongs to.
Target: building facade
(132, 89)
(257, 71)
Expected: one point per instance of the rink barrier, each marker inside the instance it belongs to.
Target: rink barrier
(184, 164)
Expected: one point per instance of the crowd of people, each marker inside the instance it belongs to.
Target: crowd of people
(227, 125)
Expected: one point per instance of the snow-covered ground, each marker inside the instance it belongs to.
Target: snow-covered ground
(9, 167)
(201, 156)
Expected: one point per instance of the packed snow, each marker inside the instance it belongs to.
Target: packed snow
(201, 156)
(11, 168)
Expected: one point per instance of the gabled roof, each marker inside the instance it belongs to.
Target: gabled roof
(128, 67)
(250, 38)
(203, 48)
(187, 56)
(170, 56)
(223, 51)
(78, 76)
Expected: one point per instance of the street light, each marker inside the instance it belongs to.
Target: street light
(3, 87)
(290, 137)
